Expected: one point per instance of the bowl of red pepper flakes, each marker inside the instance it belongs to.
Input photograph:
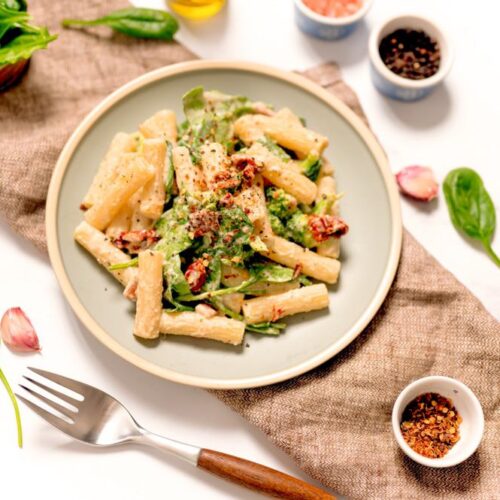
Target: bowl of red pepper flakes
(438, 421)
(409, 57)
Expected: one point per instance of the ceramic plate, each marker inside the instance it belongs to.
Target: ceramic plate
(370, 252)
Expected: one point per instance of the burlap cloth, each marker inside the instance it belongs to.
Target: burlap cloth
(335, 420)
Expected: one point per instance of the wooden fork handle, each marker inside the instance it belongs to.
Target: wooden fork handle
(257, 477)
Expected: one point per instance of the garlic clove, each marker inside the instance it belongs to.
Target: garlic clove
(418, 182)
(18, 332)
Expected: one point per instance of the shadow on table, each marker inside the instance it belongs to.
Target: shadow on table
(460, 478)
(345, 52)
(423, 114)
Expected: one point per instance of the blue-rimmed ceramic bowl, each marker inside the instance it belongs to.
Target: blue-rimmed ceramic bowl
(395, 86)
(328, 28)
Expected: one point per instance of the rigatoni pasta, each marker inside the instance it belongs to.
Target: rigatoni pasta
(217, 226)
(134, 174)
(149, 295)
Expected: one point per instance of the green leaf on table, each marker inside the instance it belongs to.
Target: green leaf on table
(135, 22)
(470, 207)
(23, 46)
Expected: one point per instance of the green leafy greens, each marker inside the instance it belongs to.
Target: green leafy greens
(18, 37)
(209, 117)
(470, 207)
(135, 22)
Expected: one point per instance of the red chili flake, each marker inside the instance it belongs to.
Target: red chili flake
(277, 312)
(430, 425)
(323, 227)
(196, 275)
(202, 222)
(135, 241)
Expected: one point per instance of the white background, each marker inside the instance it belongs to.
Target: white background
(458, 125)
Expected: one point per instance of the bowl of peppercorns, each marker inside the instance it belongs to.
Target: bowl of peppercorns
(438, 421)
(409, 57)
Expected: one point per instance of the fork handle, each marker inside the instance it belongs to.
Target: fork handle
(258, 477)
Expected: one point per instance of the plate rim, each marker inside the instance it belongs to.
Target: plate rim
(298, 81)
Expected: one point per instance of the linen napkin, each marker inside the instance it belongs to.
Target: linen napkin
(335, 420)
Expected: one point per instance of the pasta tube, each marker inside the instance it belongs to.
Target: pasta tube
(274, 307)
(154, 151)
(310, 263)
(188, 176)
(252, 201)
(233, 301)
(121, 222)
(134, 173)
(97, 244)
(250, 128)
(193, 324)
(292, 135)
(214, 163)
(121, 143)
(149, 295)
(278, 173)
(161, 125)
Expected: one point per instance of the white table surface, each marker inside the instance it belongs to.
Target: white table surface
(456, 126)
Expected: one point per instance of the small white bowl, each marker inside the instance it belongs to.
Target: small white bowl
(328, 28)
(395, 86)
(468, 406)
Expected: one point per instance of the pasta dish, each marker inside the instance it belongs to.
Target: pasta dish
(220, 225)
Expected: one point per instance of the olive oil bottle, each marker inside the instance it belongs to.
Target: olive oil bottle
(196, 9)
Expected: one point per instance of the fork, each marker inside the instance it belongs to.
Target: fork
(99, 419)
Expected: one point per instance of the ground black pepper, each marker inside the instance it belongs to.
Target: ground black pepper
(411, 54)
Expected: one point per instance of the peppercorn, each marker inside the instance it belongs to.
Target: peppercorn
(410, 54)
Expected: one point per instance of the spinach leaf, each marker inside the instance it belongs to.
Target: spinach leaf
(174, 276)
(124, 265)
(311, 166)
(267, 328)
(193, 103)
(272, 273)
(23, 46)
(470, 207)
(169, 175)
(135, 22)
(19, 5)
(209, 117)
(172, 227)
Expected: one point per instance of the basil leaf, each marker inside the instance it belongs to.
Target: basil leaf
(135, 22)
(23, 46)
(470, 207)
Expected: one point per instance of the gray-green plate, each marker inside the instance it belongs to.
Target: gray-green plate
(370, 252)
